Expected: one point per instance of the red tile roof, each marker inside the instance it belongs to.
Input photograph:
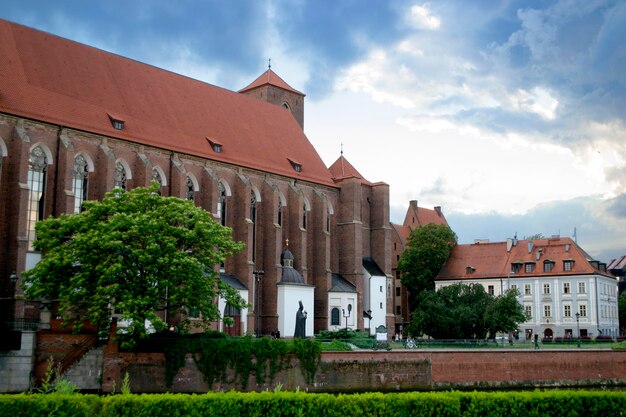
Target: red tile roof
(403, 232)
(420, 216)
(269, 77)
(492, 260)
(342, 169)
(54, 80)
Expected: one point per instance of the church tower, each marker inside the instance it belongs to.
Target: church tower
(273, 89)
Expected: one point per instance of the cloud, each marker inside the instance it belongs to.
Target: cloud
(421, 17)
(599, 235)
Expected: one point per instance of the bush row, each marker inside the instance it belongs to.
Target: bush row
(269, 404)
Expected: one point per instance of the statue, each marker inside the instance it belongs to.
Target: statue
(300, 323)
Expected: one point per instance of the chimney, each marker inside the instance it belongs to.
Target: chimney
(530, 247)
(438, 210)
(509, 244)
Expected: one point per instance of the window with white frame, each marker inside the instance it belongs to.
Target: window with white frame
(529, 267)
(528, 310)
(566, 288)
(582, 310)
(567, 310)
(547, 310)
(546, 288)
(527, 289)
(37, 165)
(582, 289)
(80, 173)
(568, 265)
(490, 290)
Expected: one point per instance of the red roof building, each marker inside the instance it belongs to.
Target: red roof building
(415, 217)
(561, 287)
(76, 121)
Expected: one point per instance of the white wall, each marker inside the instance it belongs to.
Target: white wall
(289, 297)
(375, 299)
(341, 300)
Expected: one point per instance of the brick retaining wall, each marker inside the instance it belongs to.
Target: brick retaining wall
(395, 371)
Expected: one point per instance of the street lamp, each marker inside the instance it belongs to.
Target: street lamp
(578, 329)
(343, 313)
(257, 280)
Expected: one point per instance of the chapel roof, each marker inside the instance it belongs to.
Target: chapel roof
(62, 82)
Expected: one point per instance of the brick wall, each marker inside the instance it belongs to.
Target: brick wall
(394, 371)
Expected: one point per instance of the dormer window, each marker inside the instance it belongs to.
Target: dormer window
(568, 265)
(516, 267)
(297, 166)
(469, 270)
(117, 122)
(529, 267)
(216, 146)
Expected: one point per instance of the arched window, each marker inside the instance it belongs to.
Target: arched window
(221, 203)
(79, 185)
(37, 164)
(334, 317)
(189, 189)
(253, 208)
(327, 220)
(280, 213)
(304, 219)
(120, 177)
(156, 176)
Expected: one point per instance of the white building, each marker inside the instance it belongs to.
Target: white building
(565, 293)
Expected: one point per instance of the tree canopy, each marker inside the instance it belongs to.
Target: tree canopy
(462, 311)
(134, 253)
(428, 248)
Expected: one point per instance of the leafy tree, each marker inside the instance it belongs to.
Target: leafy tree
(504, 314)
(621, 305)
(428, 248)
(135, 253)
(461, 311)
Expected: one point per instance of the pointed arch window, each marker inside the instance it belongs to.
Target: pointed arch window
(37, 165)
(80, 183)
(304, 216)
(190, 192)
(221, 203)
(327, 220)
(120, 178)
(280, 212)
(253, 212)
(156, 176)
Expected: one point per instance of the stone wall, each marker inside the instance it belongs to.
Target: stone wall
(16, 365)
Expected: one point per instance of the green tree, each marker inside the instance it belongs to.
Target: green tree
(504, 314)
(622, 311)
(462, 311)
(135, 253)
(428, 248)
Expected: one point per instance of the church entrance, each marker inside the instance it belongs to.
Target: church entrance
(235, 315)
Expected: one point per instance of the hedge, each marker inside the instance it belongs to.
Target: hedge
(279, 404)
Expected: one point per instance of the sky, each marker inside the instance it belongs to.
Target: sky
(510, 115)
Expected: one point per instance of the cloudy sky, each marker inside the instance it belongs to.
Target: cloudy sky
(511, 115)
